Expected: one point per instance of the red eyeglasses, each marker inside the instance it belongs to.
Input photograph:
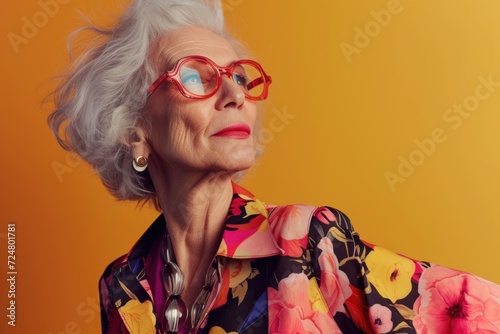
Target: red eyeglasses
(198, 77)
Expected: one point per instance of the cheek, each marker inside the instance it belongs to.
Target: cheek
(255, 118)
(162, 125)
(176, 128)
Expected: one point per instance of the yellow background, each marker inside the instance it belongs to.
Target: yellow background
(354, 118)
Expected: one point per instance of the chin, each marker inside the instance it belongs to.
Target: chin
(242, 159)
(237, 168)
(240, 166)
(234, 160)
(239, 173)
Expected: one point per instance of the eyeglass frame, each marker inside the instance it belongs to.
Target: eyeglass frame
(174, 76)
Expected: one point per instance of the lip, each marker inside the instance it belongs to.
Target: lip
(238, 131)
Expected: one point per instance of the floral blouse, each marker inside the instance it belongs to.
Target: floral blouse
(303, 269)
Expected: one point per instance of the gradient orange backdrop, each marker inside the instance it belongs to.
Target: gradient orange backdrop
(388, 110)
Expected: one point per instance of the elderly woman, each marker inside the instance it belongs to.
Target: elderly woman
(165, 111)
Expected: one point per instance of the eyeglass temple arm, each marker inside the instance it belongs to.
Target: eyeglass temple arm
(258, 81)
(154, 86)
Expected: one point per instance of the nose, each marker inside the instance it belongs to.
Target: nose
(230, 94)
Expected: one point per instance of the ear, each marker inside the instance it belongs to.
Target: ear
(139, 144)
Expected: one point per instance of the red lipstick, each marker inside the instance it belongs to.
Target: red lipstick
(238, 131)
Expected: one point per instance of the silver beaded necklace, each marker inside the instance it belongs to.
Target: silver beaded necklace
(175, 312)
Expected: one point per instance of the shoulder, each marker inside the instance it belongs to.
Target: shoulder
(134, 258)
(141, 247)
(108, 272)
(300, 216)
(109, 313)
(293, 226)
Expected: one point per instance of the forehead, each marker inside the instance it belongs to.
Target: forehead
(190, 41)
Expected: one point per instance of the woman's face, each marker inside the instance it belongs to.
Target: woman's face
(188, 135)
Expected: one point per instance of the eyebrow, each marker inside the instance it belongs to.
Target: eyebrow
(164, 61)
(168, 64)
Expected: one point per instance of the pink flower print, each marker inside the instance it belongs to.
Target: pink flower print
(334, 283)
(291, 308)
(455, 302)
(324, 215)
(290, 225)
(380, 318)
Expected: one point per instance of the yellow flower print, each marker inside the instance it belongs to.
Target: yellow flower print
(389, 273)
(254, 207)
(239, 271)
(315, 297)
(138, 317)
(219, 330)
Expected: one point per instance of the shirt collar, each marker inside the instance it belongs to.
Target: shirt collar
(247, 233)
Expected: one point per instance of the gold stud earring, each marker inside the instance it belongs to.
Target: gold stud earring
(140, 163)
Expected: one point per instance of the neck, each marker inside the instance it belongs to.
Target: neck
(195, 210)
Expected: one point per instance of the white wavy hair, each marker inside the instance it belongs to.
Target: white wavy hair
(102, 95)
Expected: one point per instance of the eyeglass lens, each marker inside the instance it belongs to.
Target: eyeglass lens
(201, 78)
